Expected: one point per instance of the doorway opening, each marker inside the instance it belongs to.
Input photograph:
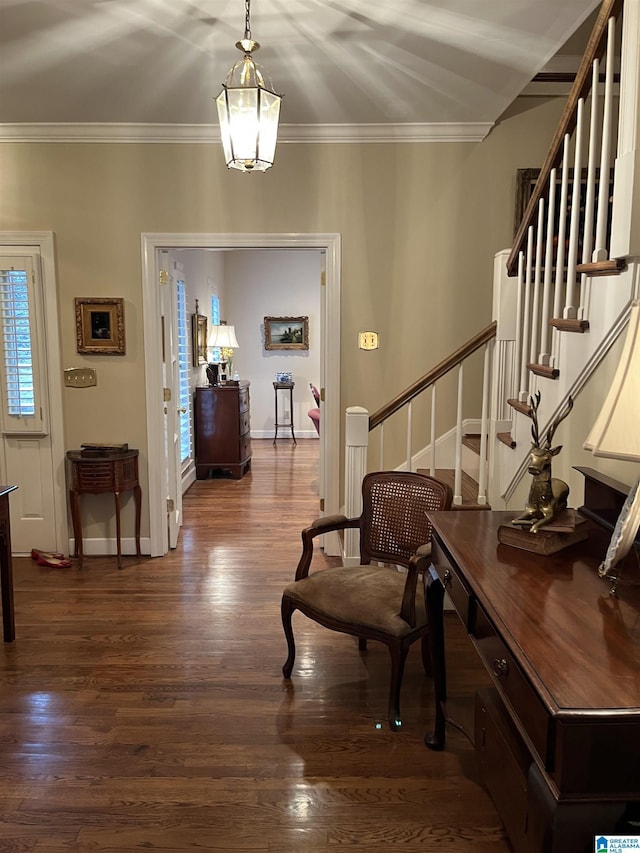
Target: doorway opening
(152, 247)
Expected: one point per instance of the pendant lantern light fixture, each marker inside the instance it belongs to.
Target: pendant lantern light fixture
(248, 110)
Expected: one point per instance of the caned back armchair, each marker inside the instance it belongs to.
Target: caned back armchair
(379, 599)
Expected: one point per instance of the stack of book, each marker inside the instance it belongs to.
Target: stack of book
(566, 529)
(90, 451)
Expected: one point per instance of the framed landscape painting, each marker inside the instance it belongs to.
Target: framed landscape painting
(286, 333)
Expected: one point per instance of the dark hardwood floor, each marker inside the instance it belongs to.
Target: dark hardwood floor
(145, 709)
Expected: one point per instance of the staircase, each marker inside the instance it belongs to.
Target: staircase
(471, 450)
(562, 296)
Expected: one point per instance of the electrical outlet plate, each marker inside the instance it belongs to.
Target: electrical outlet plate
(80, 377)
(368, 340)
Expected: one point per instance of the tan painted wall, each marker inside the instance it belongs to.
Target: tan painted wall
(420, 224)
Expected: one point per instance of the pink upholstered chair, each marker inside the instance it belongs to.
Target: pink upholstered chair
(314, 413)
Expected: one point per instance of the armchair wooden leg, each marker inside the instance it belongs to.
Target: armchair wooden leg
(287, 609)
(398, 658)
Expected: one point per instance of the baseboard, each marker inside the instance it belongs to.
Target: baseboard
(108, 547)
(285, 433)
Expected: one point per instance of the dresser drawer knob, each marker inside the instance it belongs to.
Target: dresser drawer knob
(500, 667)
(447, 577)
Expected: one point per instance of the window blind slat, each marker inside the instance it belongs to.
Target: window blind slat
(17, 345)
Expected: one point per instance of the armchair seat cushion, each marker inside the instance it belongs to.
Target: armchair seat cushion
(359, 597)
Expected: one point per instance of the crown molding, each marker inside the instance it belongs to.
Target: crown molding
(203, 133)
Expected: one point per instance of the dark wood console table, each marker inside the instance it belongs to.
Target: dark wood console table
(561, 730)
(6, 566)
(96, 475)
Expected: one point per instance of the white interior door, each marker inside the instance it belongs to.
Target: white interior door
(172, 462)
(27, 426)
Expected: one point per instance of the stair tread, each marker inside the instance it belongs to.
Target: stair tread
(472, 441)
(506, 438)
(469, 487)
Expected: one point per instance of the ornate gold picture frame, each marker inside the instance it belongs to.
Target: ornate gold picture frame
(286, 333)
(199, 339)
(100, 326)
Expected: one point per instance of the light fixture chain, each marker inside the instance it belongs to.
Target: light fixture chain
(247, 19)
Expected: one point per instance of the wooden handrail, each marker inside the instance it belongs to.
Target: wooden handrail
(433, 375)
(595, 50)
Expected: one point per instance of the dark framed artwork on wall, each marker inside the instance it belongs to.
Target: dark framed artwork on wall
(526, 180)
(100, 326)
(286, 333)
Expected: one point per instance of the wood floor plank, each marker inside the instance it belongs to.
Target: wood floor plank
(145, 709)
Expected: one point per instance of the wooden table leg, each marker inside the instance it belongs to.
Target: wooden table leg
(434, 599)
(74, 501)
(6, 579)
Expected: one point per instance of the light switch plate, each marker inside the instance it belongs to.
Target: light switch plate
(80, 377)
(368, 340)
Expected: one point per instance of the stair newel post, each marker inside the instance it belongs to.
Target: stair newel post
(545, 350)
(432, 469)
(457, 483)
(484, 462)
(625, 230)
(355, 467)
(537, 278)
(507, 301)
(570, 310)
(601, 250)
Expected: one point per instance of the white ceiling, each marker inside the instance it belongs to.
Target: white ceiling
(387, 65)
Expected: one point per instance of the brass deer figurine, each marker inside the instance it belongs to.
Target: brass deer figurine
(547, 495)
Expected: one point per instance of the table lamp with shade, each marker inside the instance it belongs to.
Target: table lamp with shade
(615, 435)
(224, 338)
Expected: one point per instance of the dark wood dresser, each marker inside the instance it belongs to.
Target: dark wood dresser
(222, 429)
(558, 734)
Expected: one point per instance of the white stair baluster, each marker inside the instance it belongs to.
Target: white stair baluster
(526, 320)
(570, 309)
(432, 469)
(409, 435)
(601, 250)
(486, 381)
(457, 484)
(589, 202)
(545, 351)
(558, 296)
(537, 278)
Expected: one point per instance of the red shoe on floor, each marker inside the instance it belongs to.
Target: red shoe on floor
(36, 554)
(53, 562)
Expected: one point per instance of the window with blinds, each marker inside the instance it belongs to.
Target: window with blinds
(184, 391)
(216, 355)
(19, 320)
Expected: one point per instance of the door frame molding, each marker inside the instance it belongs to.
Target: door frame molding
(43, 242)
(151, 243)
